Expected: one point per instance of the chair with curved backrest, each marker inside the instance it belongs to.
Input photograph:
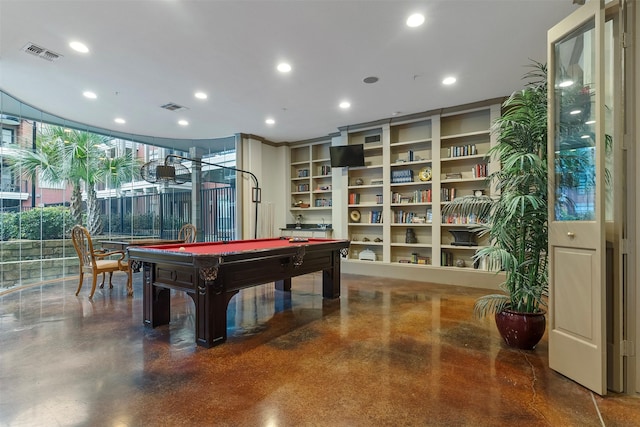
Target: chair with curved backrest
(97, 261)
(188, 233)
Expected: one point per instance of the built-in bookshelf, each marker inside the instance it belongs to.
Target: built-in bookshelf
(465, 140)
(411, 196)
(311, 193)
(391, 209)
(412, 170)
(366, 198)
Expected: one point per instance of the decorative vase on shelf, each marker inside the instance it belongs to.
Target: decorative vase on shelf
(463, 237)
(410, 236)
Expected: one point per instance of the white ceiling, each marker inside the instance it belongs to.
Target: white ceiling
(145, 53)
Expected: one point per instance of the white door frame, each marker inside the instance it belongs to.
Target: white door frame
(632, 139)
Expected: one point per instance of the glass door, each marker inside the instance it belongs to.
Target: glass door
(577, 298)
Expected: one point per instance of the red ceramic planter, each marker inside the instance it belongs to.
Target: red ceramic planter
(521, 330)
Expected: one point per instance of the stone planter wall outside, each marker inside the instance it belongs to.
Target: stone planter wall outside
(24, 262)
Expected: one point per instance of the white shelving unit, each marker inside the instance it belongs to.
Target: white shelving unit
(465, 139)
(412, 169)
(365, 197)
(311, 193)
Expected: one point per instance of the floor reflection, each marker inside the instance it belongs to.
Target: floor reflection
(388, 352)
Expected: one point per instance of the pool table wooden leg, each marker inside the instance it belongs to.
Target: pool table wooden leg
(156, 301)
(283, 285)
(211, 315)
(160, 307)
(331, 278)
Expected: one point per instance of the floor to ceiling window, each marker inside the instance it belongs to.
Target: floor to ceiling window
(55, 173)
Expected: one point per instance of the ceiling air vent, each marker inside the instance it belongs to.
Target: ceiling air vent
(41, 52)
(173, 107)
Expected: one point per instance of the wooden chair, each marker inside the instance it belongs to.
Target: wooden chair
(188, 233)
(97, 261)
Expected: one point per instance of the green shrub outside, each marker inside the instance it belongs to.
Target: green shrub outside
(56, 223)
(42, 224)
(8, 228)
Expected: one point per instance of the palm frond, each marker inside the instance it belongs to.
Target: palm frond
(490, 304)
(515, 222)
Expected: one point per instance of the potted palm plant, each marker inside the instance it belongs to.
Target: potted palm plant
(514, 218)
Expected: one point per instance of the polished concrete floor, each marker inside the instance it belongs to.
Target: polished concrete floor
(387, 353)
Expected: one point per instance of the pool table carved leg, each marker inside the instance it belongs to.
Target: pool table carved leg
(211, 313)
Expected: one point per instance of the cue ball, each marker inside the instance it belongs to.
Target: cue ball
(181, 248)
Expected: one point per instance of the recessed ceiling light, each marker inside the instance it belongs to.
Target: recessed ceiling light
(415, 20)
(574, 112)
(89, 94)
(345, 104)
(283, 67)
(183, 123)
(200, 95)
(565, 83)
(370, 79)
(120, 120)
(590, 122)
(270, 121)
(449, 80)
(79, 47)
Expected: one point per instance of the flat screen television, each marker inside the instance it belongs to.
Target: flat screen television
(346, 155)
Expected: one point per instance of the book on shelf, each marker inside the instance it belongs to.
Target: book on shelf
(322, 203)
(401, 175)
(480, 170)
(447, 194)
(446, 259)
(462, 150)
(404, 217)
(453, 175)
(354, 198)
(325, 170)
(375, 217)
(416, 259)
(456, 218)
(417, 196)
(419, 259)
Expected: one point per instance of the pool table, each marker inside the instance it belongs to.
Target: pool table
(212, 273)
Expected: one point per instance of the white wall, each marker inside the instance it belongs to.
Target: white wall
(268, 164)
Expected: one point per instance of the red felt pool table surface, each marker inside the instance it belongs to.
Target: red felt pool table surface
(236, 246)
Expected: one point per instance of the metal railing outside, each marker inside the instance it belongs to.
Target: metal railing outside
(163, 214)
